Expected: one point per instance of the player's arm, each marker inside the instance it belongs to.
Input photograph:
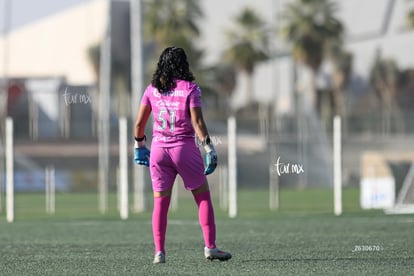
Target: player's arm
(141, 120)
(141, 153)
(198, 123)
(202, 134)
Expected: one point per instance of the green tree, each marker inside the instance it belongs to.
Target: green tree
(120, 71)
(383, 79)
(410, 18)
(167, 22)
(249, 44)
(94, 54)
(309, 25)
(341, 74)
(173, 22)
(342, 61)
(222, 80)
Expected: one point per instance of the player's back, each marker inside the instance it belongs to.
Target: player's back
(172, 121)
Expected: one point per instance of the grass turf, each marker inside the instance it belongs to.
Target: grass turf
(302, 238)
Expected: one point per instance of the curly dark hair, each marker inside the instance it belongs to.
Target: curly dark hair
(172, 66)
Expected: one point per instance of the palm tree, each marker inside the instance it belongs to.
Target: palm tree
(249, 45)
(94, 53)
(410, 18)
(120, 75)
(168, 21)
(309, 26)
(173, 22)
(384, 77)
(222, 80)
(342, 68)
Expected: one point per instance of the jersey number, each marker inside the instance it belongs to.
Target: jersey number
(161, 118)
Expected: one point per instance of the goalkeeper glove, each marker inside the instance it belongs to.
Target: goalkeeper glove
(141, 153)
(211, 156)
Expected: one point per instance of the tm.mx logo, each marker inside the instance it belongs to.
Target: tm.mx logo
(288, 168)
(74, 98)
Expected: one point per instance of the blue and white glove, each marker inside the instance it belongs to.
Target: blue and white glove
(211, 159)
(141, 153)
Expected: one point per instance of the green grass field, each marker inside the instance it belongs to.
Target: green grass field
(302, 238)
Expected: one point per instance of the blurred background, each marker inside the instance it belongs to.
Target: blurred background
(284, 68)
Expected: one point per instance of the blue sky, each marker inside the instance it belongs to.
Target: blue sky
(359, 16)
(363, 19)
(26, 11)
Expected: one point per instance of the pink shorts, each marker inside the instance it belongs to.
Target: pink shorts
(185, 160)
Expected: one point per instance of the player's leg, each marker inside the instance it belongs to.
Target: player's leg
(191, 168)
(162, 175)
(205, 214)
(206, 218)
(159, 223)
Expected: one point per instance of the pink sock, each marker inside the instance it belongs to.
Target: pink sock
(206, 218)
(159, 222)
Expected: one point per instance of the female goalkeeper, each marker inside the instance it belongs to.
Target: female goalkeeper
(175, 101)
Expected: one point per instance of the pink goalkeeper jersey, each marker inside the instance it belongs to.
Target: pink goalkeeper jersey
(171, 110)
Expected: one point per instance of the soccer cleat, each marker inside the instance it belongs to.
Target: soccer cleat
(159, 258)
(216, 254)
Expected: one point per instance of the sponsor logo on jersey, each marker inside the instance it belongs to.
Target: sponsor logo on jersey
(176, 93)
(156, 93)
(162, 103)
